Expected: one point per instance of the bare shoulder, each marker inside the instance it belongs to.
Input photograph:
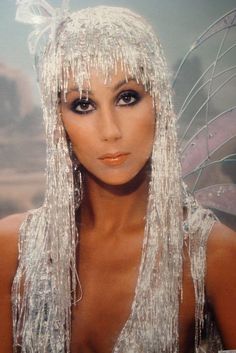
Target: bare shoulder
(9, 230)
(221, 235)
(11, 224)
(221, 280)
(221, 255)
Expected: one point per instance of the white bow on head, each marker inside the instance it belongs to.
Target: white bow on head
(42, 16)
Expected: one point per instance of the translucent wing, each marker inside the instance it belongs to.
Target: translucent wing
(205, 87)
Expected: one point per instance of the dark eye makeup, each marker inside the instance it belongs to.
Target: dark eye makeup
(129, 98)
(84, 105)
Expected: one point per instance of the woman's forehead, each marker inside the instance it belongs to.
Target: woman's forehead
(116, 79)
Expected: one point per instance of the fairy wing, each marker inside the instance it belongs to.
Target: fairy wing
(205, 92)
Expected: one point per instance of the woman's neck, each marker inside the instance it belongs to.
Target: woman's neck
(108, 208)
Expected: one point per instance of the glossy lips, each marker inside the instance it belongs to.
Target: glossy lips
(114, 159)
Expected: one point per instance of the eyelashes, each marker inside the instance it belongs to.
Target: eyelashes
(86, 106)
(82, 106)
(129, 98)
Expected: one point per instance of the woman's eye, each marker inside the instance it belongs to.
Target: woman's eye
(128, 98)
(82, 106)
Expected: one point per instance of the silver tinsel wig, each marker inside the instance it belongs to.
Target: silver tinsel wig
(44, 288)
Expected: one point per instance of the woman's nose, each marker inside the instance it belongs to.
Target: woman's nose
(109, 125)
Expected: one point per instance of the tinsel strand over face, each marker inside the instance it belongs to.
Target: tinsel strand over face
(100, 38)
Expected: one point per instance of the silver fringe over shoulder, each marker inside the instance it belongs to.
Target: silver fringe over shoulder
(44, 288)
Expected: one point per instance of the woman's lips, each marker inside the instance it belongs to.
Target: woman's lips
(114, 159)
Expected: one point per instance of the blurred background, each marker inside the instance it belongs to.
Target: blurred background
(178, 24)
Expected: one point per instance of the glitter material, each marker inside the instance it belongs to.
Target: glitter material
(43, 17)
(45, 284)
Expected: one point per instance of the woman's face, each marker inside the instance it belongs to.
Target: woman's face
(111, 128)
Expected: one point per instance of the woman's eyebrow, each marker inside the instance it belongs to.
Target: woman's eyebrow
(122, 82)
(83, 91)
(114, 88)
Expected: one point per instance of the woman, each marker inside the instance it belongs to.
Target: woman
(113, 177)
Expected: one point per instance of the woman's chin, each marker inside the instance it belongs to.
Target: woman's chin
(118, 180)
(113, 181)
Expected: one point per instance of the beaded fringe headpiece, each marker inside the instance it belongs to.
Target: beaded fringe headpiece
(100, 38)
